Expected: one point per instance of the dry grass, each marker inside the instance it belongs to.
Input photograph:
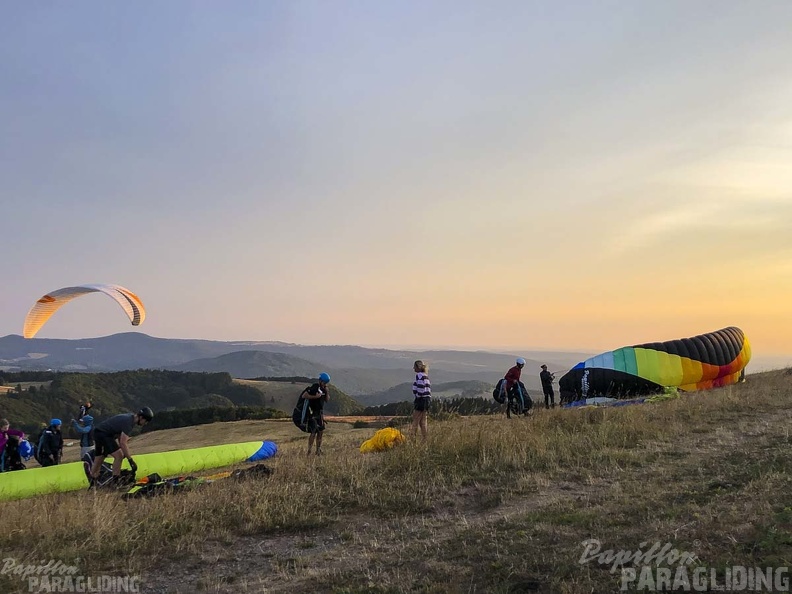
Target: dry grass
(487, 505)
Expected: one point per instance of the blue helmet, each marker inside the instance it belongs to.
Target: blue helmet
(87, 419)
(56, 422)
(324, 377)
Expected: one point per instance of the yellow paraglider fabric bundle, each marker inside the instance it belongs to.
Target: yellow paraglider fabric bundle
(70, 477)
(382, 440)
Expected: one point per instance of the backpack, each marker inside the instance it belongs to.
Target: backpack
(301, 413)
(11, 458)
(499, 394)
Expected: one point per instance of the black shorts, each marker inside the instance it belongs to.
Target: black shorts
(105, 444)
(422, 404)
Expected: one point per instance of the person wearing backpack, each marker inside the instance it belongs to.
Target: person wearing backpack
(512, 382)
(313, 399)
(9, 440)
(86, 430)
(50, 447)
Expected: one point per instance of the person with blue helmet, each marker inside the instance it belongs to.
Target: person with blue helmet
(86, 431)
(316, 395)
(50, 446)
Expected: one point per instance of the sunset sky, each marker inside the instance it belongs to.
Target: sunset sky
(500, 175)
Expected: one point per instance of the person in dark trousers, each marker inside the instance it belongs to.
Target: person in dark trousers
(547, 386)
(316, 395)
(86, 430)
(111, 438)
(50, 446)
(512, 383)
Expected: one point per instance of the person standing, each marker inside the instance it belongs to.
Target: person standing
(86, 431)
(547, 386)
(111, 437)
(511, 383)
(50, 446)
(316, 395)
(422, 398)
(84, 408)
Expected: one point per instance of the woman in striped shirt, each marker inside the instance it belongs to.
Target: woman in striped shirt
(422, 392)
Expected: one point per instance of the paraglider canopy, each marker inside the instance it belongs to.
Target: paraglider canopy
(47, 305)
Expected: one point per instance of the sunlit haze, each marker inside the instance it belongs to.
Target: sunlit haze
(500, 175)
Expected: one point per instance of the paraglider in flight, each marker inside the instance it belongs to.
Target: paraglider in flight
(52, 302)
(698, 363)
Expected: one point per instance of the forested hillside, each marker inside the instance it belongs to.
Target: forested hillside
(54, 394)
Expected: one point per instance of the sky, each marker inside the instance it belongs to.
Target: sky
(499, 175)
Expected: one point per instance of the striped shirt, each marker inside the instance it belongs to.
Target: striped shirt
(422, 388)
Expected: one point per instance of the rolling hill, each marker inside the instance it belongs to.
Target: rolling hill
(356, 370)
(403, 391)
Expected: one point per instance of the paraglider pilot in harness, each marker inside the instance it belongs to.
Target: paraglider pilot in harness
(111, 437)
(316, 395)
(511, 384)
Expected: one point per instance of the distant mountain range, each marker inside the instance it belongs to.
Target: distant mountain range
(358, 371)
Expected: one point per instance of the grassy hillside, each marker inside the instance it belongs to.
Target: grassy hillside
(402, 392)
(283, 395)
(485, 505)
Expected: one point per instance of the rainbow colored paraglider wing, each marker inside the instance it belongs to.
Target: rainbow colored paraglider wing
(697, 363)
(52, 302)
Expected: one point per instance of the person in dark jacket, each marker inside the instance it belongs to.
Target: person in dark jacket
(316, 395)
(547, 386)
(50, 446)
(86, 430)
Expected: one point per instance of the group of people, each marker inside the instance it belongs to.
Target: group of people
(110, 438)
(422, 391)
(512, 383)
(15, 448)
